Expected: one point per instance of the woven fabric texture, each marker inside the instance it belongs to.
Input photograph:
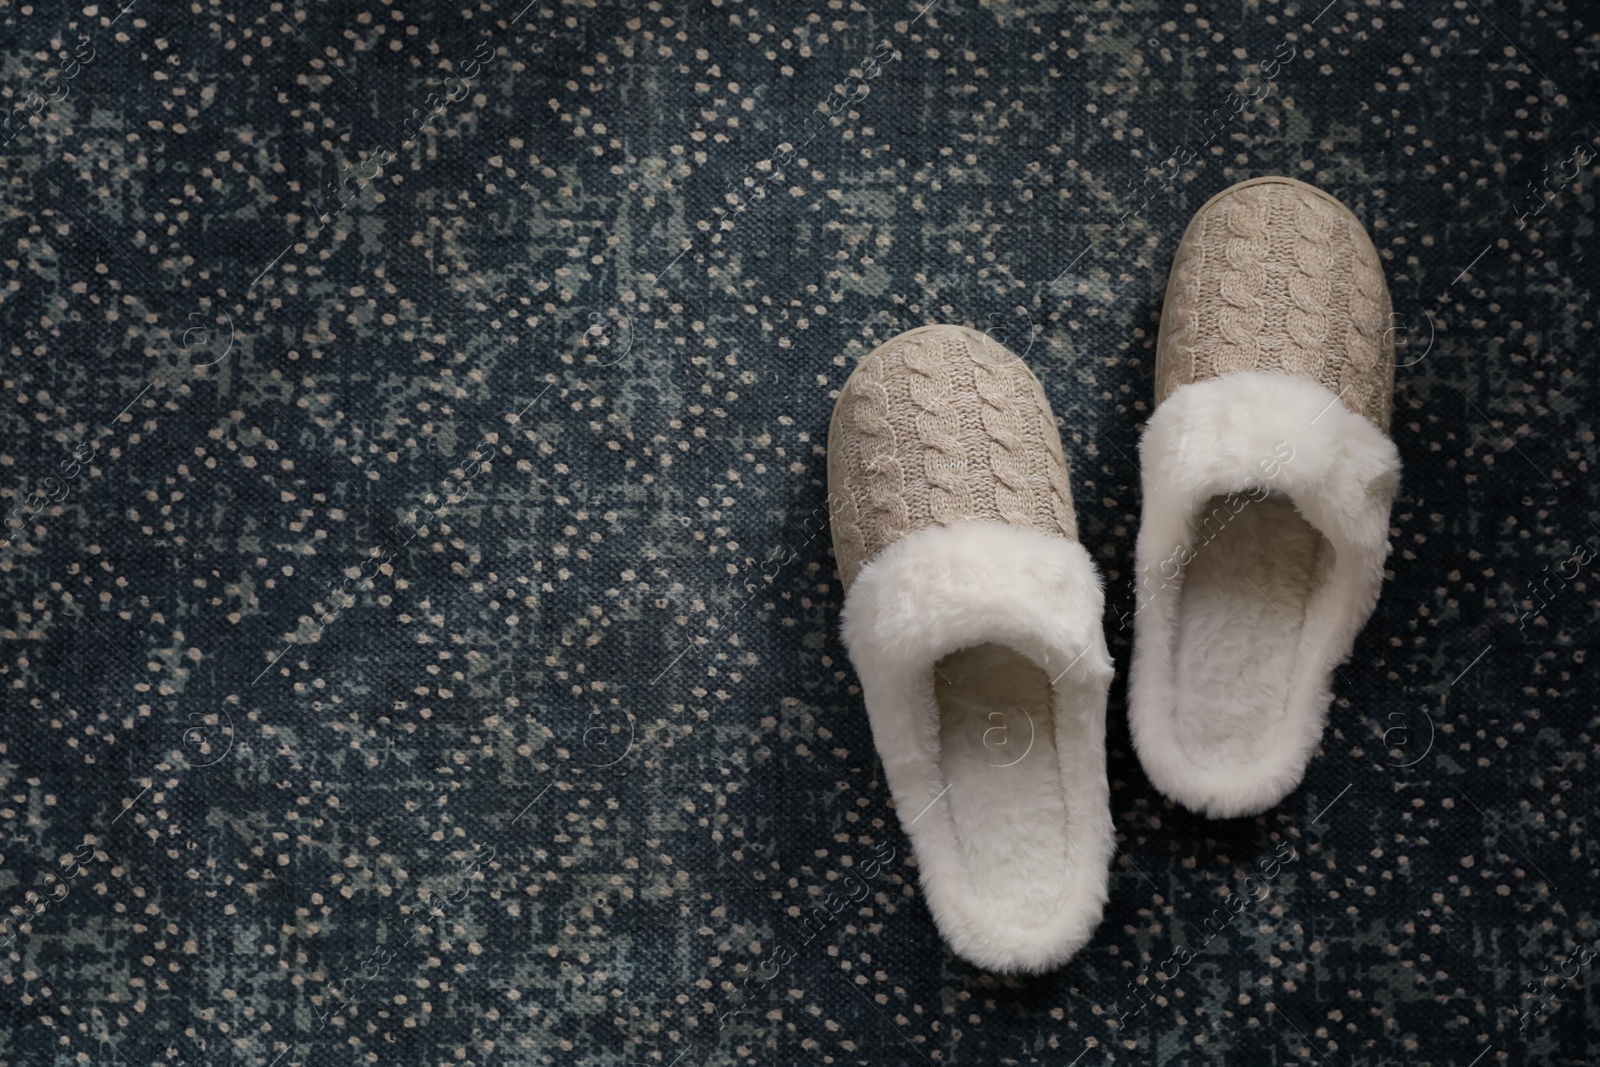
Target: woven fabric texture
(1275, 275)
(419, 615)
(941, 425)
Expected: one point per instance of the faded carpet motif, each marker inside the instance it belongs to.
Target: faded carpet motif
(420, 639)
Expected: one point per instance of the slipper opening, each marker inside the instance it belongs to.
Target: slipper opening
(983, 665)
(1260, 556)
(1240, 645)
(998, 746)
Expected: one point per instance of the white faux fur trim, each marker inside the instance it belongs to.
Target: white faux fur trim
(944, 589)
(1230, 435)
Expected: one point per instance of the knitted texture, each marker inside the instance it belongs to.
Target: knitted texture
(1274, 275)
(937, 426)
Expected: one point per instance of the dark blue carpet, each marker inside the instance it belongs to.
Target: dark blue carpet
(420, 638)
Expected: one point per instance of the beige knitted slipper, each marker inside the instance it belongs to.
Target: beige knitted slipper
(1268, 475)
(973, 618)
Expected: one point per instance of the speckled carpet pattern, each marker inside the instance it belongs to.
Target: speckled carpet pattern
(420, 625)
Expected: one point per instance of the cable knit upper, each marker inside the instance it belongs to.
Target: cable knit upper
(939, 425)
(1275, 275)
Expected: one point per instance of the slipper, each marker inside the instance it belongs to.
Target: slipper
(1268, 474)
(973, 618)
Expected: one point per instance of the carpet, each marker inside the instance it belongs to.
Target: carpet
(421, 628)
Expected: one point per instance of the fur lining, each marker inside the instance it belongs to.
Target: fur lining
(1230, 685)
(1014, 856)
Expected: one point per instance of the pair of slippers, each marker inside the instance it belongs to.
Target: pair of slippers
(974, 617)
